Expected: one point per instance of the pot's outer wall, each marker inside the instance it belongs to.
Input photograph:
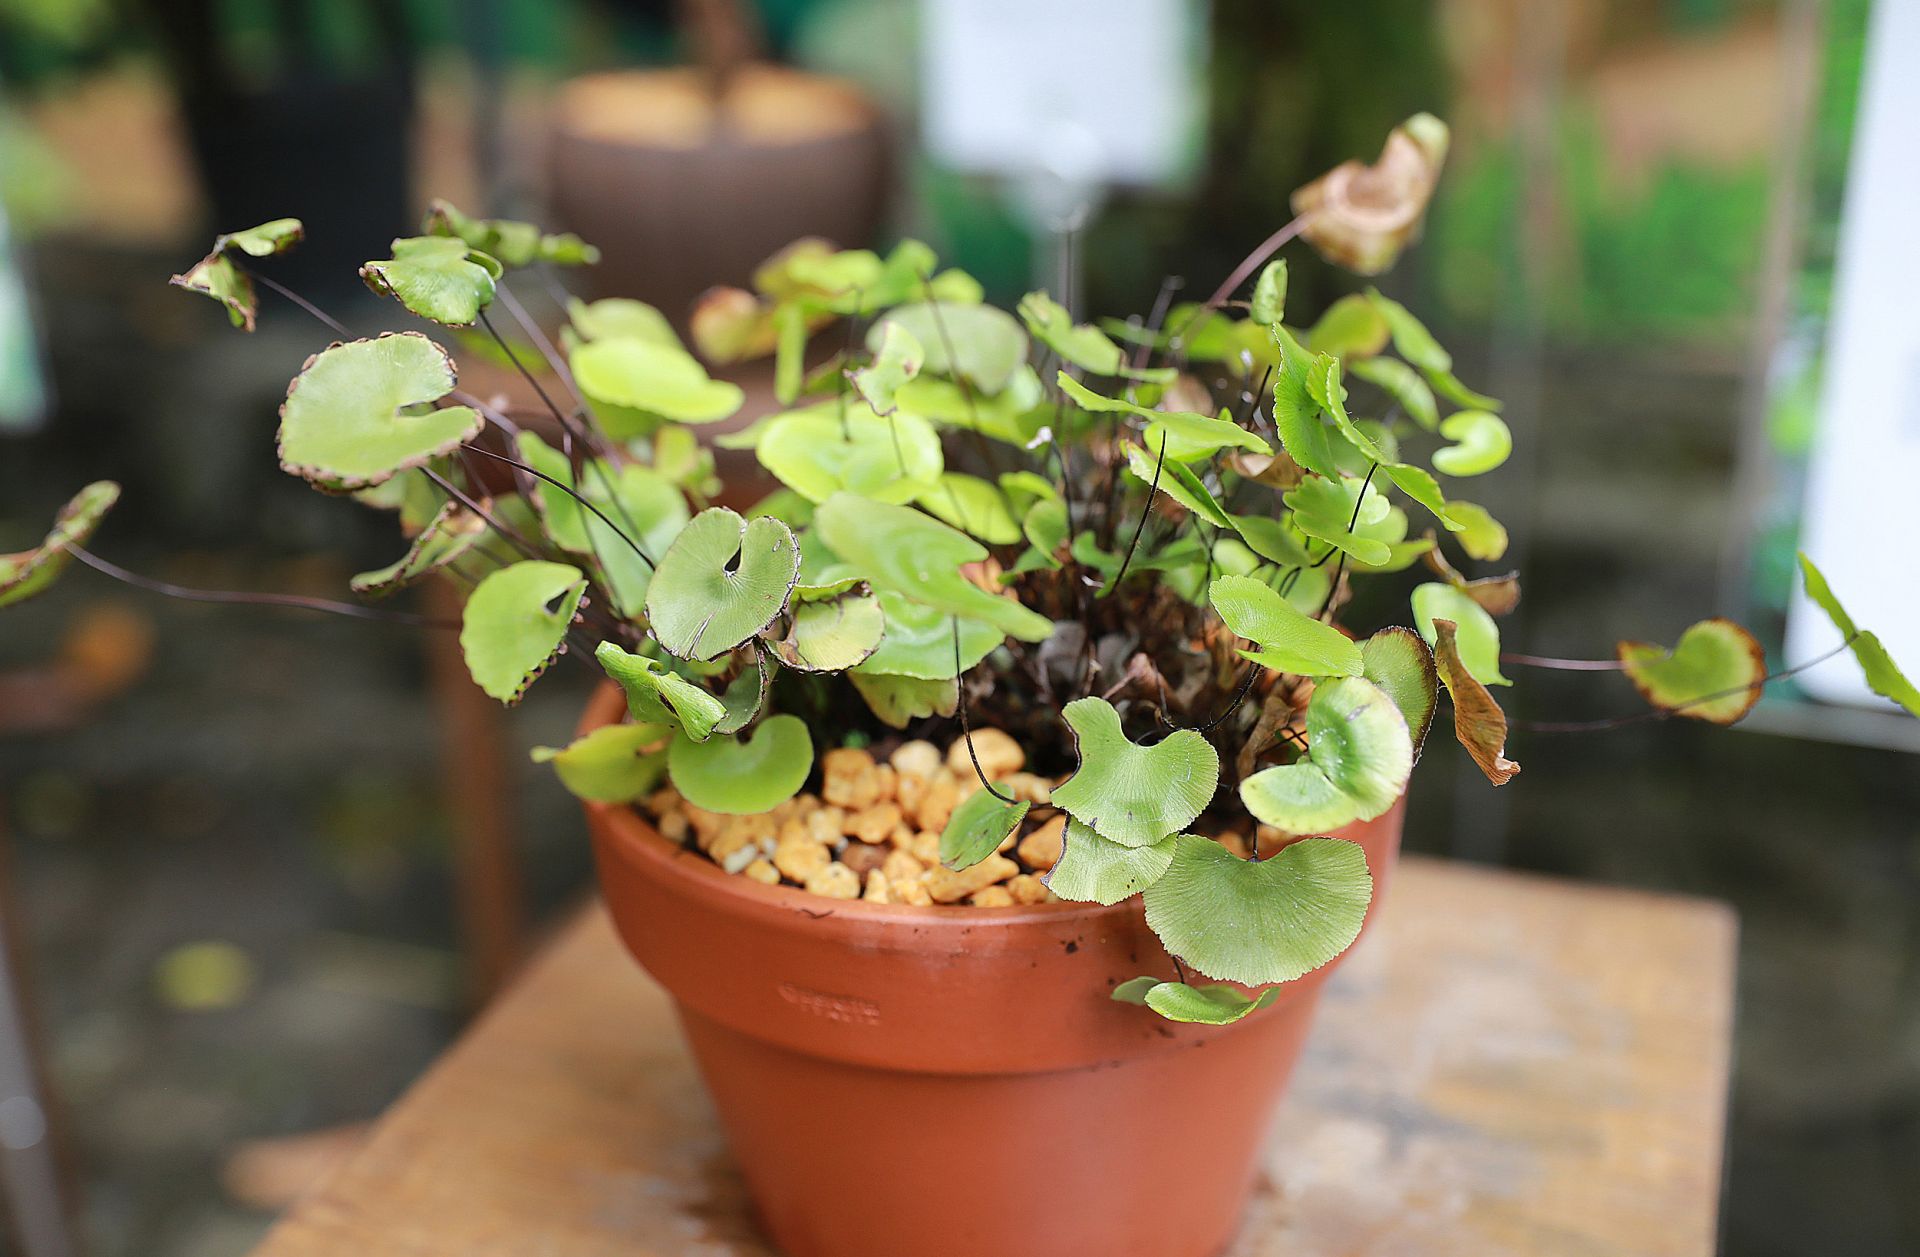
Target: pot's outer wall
(929, 1082)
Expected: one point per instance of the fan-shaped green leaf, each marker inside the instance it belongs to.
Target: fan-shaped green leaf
(1359, 754)
(1481, 535)
(823, 449)
(918, 641)
(746, 695)
(833, 634)
(1092, 869)
(452, 532)
(1713, 657)
(1883, 674)
(632, 384)
(1188, 436)
(1479, 636)
(1478, 722)
(515, 623)
(981, 343)
(1178, 482)
(514, 243)
(1416, 344)
(911, 553)
(619, 318)
(723, 580)
(977, 828)
(735, 778)
(1289, 641)
(1417, 484)
(1128, 793)
(1213, 1005)
(1402, 383)
(1014, 415)
(1270, 293)
(897, 360)
(899, 701)
(1134, 990)
(30, 572)
(436, 278)
(972, 505)
(633, 502)
(612, 764)
(1482, 442)
(1260, 922)
(1401, 664)
(1326, 510)
(359, 412)
(217, 277)
(1351, 328)
(1296, 412)
(656, 695)
(1085, 347)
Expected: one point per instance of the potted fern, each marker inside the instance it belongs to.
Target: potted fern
(994, 796)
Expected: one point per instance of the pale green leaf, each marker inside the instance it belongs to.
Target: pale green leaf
(1481, 443)
(735, 778)
(1212, 1005)
(620, 318)
(452, 532)
(1402, 383)
(1134, 990)
(436, 277)
(1093, 869)
(1359, 754)
(899, 701)
(972, 505)
(979, 343)
(897, 360)
(823, 449)
(612, 764)
(1288, 640)
(1258, 923)
(1296, 412)
(1270, 293)
(832, 634)
(1883, 674)
(1401, 664)
(1189, 436)
(723, 580)
(515, 623)
(359, 412)
(977, 827)
(632, 384)
(918, 641)
(1479, 636)
(1351, 328)
(30, 572)
(656, 695)
(1085, 347)
(1178, 482)
(1326, 510)
(1481, 535)
(1132, 794)
(1715, 660)
(911, 553)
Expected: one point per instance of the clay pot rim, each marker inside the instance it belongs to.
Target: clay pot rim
(634, 831)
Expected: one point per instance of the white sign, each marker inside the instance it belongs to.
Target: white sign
(1865, 475)
(1087, 91)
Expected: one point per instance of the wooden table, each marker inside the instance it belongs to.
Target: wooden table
(1509, 1066)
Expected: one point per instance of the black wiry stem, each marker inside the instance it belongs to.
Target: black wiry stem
(966, 386)
(271, 285)
(511, 535)
(1662, 713)
(1562, 665)
(1333, 586)
(570, 492)
(555, 362)
(1153, 493)
(297, 601)
(966, 730)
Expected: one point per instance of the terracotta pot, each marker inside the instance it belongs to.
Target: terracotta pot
(680, 195)
(953, 1082)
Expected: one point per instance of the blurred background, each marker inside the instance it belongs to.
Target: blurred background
(259, 868)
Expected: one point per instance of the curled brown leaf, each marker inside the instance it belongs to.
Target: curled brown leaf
(1477, 720)
(1360, 216)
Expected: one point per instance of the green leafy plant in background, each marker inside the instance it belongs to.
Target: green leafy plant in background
(1127, 544)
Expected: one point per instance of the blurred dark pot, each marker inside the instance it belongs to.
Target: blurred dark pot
(680, 196)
